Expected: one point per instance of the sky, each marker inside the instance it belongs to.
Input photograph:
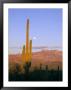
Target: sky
(45, 27)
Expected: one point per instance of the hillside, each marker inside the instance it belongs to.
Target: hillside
(52, 58)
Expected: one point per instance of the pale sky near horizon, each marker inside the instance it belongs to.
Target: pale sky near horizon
(45, 27)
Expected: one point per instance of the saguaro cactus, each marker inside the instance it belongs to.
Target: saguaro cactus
(27, 67)
(27, 49)
(27, 40)
(27, 52)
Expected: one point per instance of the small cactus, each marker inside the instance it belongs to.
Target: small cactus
(40, 66)
(46, 67)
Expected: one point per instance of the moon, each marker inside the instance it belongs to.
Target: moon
(34, 38)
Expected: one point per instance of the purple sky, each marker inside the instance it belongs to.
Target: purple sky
(45, 27)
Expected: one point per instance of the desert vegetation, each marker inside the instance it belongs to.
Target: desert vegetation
(44, 66)
(37, 74)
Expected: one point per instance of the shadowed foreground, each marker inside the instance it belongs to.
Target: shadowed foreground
(45, 66)
(36, 75)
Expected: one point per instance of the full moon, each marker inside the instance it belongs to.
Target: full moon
(34, 38)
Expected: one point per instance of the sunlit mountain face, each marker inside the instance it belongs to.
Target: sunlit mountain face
(52, 58)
